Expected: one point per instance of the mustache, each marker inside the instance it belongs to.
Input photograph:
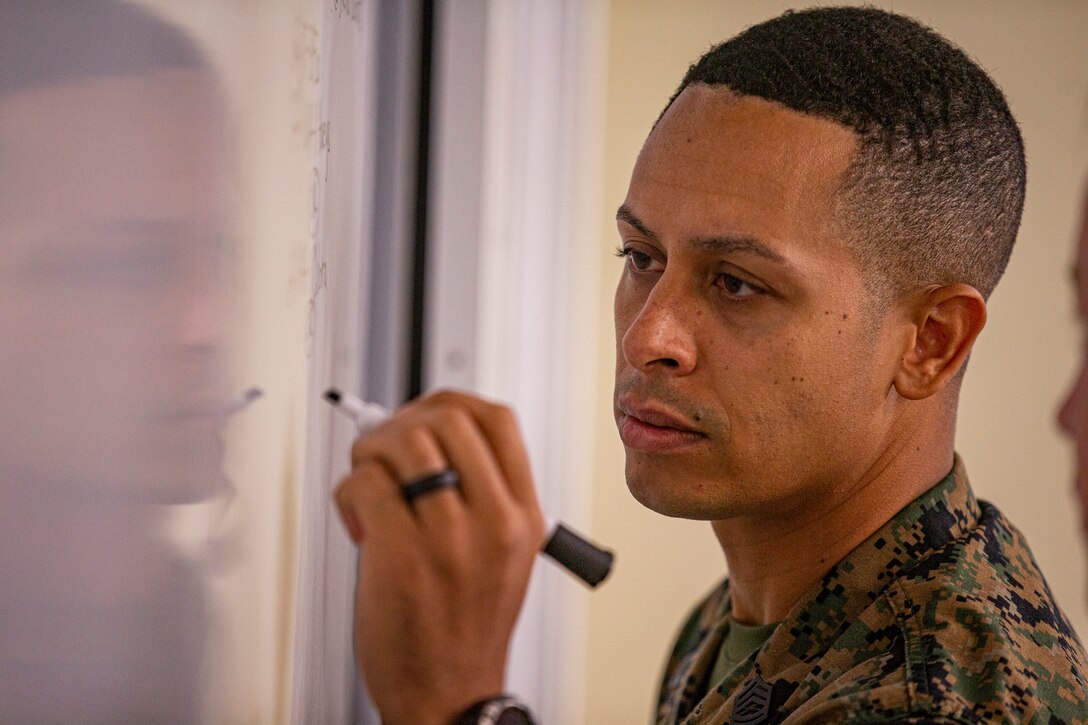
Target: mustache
(660, 391)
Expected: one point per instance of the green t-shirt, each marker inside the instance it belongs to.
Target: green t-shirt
(740, 640)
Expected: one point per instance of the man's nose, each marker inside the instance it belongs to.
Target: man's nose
(202, 327)
(202, 310)
(662, 337)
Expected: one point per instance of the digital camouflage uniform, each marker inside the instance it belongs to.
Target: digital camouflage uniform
(941, 616)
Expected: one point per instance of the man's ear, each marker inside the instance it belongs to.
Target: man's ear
(945, 322)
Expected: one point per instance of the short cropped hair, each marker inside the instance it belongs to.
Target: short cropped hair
(935, 192)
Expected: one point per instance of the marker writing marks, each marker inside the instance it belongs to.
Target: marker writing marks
(575, 553)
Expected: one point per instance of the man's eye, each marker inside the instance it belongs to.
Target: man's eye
(638, 261)
(737, 287)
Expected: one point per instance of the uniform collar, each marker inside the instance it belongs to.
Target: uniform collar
(945, 512)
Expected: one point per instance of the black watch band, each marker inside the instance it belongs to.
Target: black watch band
(501, 710)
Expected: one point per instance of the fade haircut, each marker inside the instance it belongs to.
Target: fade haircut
(935, 192)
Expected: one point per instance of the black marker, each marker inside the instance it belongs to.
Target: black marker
(584, 559)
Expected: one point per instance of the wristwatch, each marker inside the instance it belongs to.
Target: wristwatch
(501, 710)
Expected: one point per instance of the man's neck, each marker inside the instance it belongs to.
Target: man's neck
(774, 561)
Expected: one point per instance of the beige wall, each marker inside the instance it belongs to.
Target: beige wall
(1039, 55)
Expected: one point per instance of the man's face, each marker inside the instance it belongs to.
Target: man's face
(1073, 415)
(109, 311)
(751, 372)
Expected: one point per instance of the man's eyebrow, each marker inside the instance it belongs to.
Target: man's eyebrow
(724, 244)
(731, 243)
(624, 214)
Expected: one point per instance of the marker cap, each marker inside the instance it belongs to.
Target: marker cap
(588, 562)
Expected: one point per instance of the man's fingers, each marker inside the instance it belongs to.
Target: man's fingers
(483, 483)
(477, 439)
(446, 430)
(412, 453)
(347, 515)
(370, 501)
(499, 427)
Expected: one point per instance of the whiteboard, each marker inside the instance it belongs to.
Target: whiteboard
(324, 681)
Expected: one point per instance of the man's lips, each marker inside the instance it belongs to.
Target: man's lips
(654, 429)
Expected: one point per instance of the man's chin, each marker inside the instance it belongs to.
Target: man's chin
(668, 500)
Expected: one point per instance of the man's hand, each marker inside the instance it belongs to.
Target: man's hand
(442, 579)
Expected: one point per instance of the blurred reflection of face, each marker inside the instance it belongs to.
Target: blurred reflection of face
(1073, 415)
(109, 311)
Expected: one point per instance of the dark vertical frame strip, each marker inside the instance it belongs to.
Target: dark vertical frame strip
(422, 200)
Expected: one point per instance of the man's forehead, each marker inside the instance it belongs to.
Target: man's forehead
(722, 164)
(711, 137)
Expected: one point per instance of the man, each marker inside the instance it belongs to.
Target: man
(1073, 415)
(810, 235)
(111, 185)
